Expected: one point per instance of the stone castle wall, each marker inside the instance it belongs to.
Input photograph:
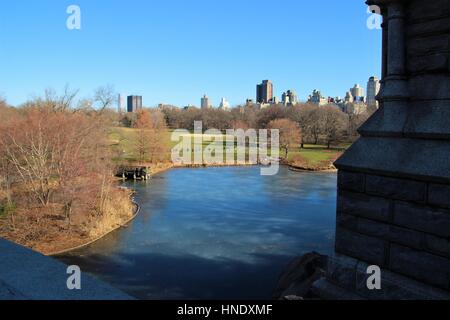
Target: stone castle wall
(398, 224)
(394, 183)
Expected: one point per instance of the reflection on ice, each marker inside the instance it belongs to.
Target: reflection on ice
(215, 233)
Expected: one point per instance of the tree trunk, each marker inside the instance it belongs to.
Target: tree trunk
(68, 211)
(9, 204)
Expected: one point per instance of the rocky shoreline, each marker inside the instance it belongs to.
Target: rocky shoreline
(297, 279)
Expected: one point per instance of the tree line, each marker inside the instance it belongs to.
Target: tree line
(326, 124)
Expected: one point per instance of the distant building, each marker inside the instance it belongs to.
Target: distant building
(224, 105)
(335, 100)
(264, 92)
(275, 100)
(134, 103)
(205, 103)
(349, 97)
(357, 93)
(289, 98)
(317, 98)
(165, 106)
(285, 99)
(120, 104)
(354, 102)
(189, 107)
(249, 102)
(354, 108)
(262, 106)
(373, 88)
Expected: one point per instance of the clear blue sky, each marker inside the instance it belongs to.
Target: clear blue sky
(174, 51)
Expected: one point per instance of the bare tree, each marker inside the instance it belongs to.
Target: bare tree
(55, 102)
(333, 123)
(303, 114)
(143, 125)
(354, 122)
(152, 140)
(6, 172)
(290, 134)
(265, 116)
(105, 96)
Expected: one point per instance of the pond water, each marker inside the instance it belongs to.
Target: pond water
(215, 233)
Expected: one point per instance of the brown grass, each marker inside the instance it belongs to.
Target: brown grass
(46, 230)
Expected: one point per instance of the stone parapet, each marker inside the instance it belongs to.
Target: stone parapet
(28, 275)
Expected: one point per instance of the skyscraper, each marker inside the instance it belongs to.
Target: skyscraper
(120, 104)
(358, 93)
(349, 97)
(290, 98)
(224, 105)
(317, 98)
(373, 88)
(134, 103)
(205, 102)
(264, 92)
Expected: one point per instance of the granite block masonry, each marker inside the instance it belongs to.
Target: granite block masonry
(394, 182)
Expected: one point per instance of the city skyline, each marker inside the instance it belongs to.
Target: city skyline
(171, 68)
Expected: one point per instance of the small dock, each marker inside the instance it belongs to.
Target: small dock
(134, 173)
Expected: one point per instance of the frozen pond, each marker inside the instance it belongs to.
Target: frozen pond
(215, 233)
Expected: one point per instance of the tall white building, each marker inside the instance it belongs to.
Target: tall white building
(357, 93)
(224, 104)
(290, 98)
(206, 103)
(120, 104)
(373, 88)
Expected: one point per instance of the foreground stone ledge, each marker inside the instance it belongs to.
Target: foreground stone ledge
(28, 275)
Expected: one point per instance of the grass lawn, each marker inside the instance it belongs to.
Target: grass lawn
(316, 154)
(122, 140)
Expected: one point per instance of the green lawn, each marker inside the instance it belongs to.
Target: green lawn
(122, 141)
(315, 154)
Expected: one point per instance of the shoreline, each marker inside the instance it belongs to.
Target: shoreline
(122, 225)
(294, 168)
(291, 167)
(159, 170)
